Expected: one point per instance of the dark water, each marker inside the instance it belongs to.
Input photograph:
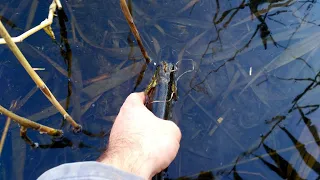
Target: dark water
(248, 102)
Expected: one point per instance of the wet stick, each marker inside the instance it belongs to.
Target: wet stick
(30, 124)
(4, 134)
(134, 30)
(6, 127)
(35, 77)
(160, 96)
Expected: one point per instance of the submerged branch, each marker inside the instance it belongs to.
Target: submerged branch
(6, 127)
(134, 30)
(30, 124)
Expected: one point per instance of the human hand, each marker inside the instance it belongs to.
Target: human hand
(140, 142)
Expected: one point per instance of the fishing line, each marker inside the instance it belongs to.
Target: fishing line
(165, 100)
(188, 71)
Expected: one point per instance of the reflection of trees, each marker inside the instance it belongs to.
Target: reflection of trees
(307, 158)
(265, 33)
(261, 15)
(281, 164)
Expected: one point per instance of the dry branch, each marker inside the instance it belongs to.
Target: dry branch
(4, 134)
(134, 30)
(35, 77)
(43, 25)
(6, 126)
(58, 4)
(30, 124)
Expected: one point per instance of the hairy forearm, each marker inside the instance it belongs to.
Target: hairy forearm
(126, 155)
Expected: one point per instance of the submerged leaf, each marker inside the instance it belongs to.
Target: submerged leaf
(305, 155)
(230, 51)
(282, 164)
(312, 128)
(189, 22)
(187, 6)
(95, 89)
(272, 167)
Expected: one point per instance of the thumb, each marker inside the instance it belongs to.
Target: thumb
(135, 99)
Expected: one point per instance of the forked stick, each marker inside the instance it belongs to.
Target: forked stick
(134, 30)
(44, 24)
(35, 77)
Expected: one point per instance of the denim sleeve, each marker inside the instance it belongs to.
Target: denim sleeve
(89, 170)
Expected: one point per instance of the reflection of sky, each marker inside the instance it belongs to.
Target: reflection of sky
(205, 95)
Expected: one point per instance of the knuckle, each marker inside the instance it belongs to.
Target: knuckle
(175, 129)
(133, 101)
(133, 98)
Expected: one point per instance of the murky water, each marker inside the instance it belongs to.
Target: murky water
(248, 76)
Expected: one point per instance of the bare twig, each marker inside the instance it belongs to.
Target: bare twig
(30, 124)
(24, 136)
(35, 77)
(43, 25)
(58, 4)
(6, 127)
(134, 30)
(4, 134)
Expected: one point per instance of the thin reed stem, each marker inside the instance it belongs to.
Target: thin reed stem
(30, 124)
(4, 134)
(134, 30)
(35, 77)
(13, 106)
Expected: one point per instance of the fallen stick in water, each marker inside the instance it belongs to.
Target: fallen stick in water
(160, 94)
(134, 30)
(30, 124)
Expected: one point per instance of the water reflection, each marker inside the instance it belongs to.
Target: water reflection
(248, 110)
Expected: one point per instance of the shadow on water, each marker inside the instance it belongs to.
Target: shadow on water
(66, 53)
(248, 71)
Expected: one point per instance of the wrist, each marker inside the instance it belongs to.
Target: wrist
(124, 156)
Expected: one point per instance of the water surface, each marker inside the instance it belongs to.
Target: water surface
(248, 102)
